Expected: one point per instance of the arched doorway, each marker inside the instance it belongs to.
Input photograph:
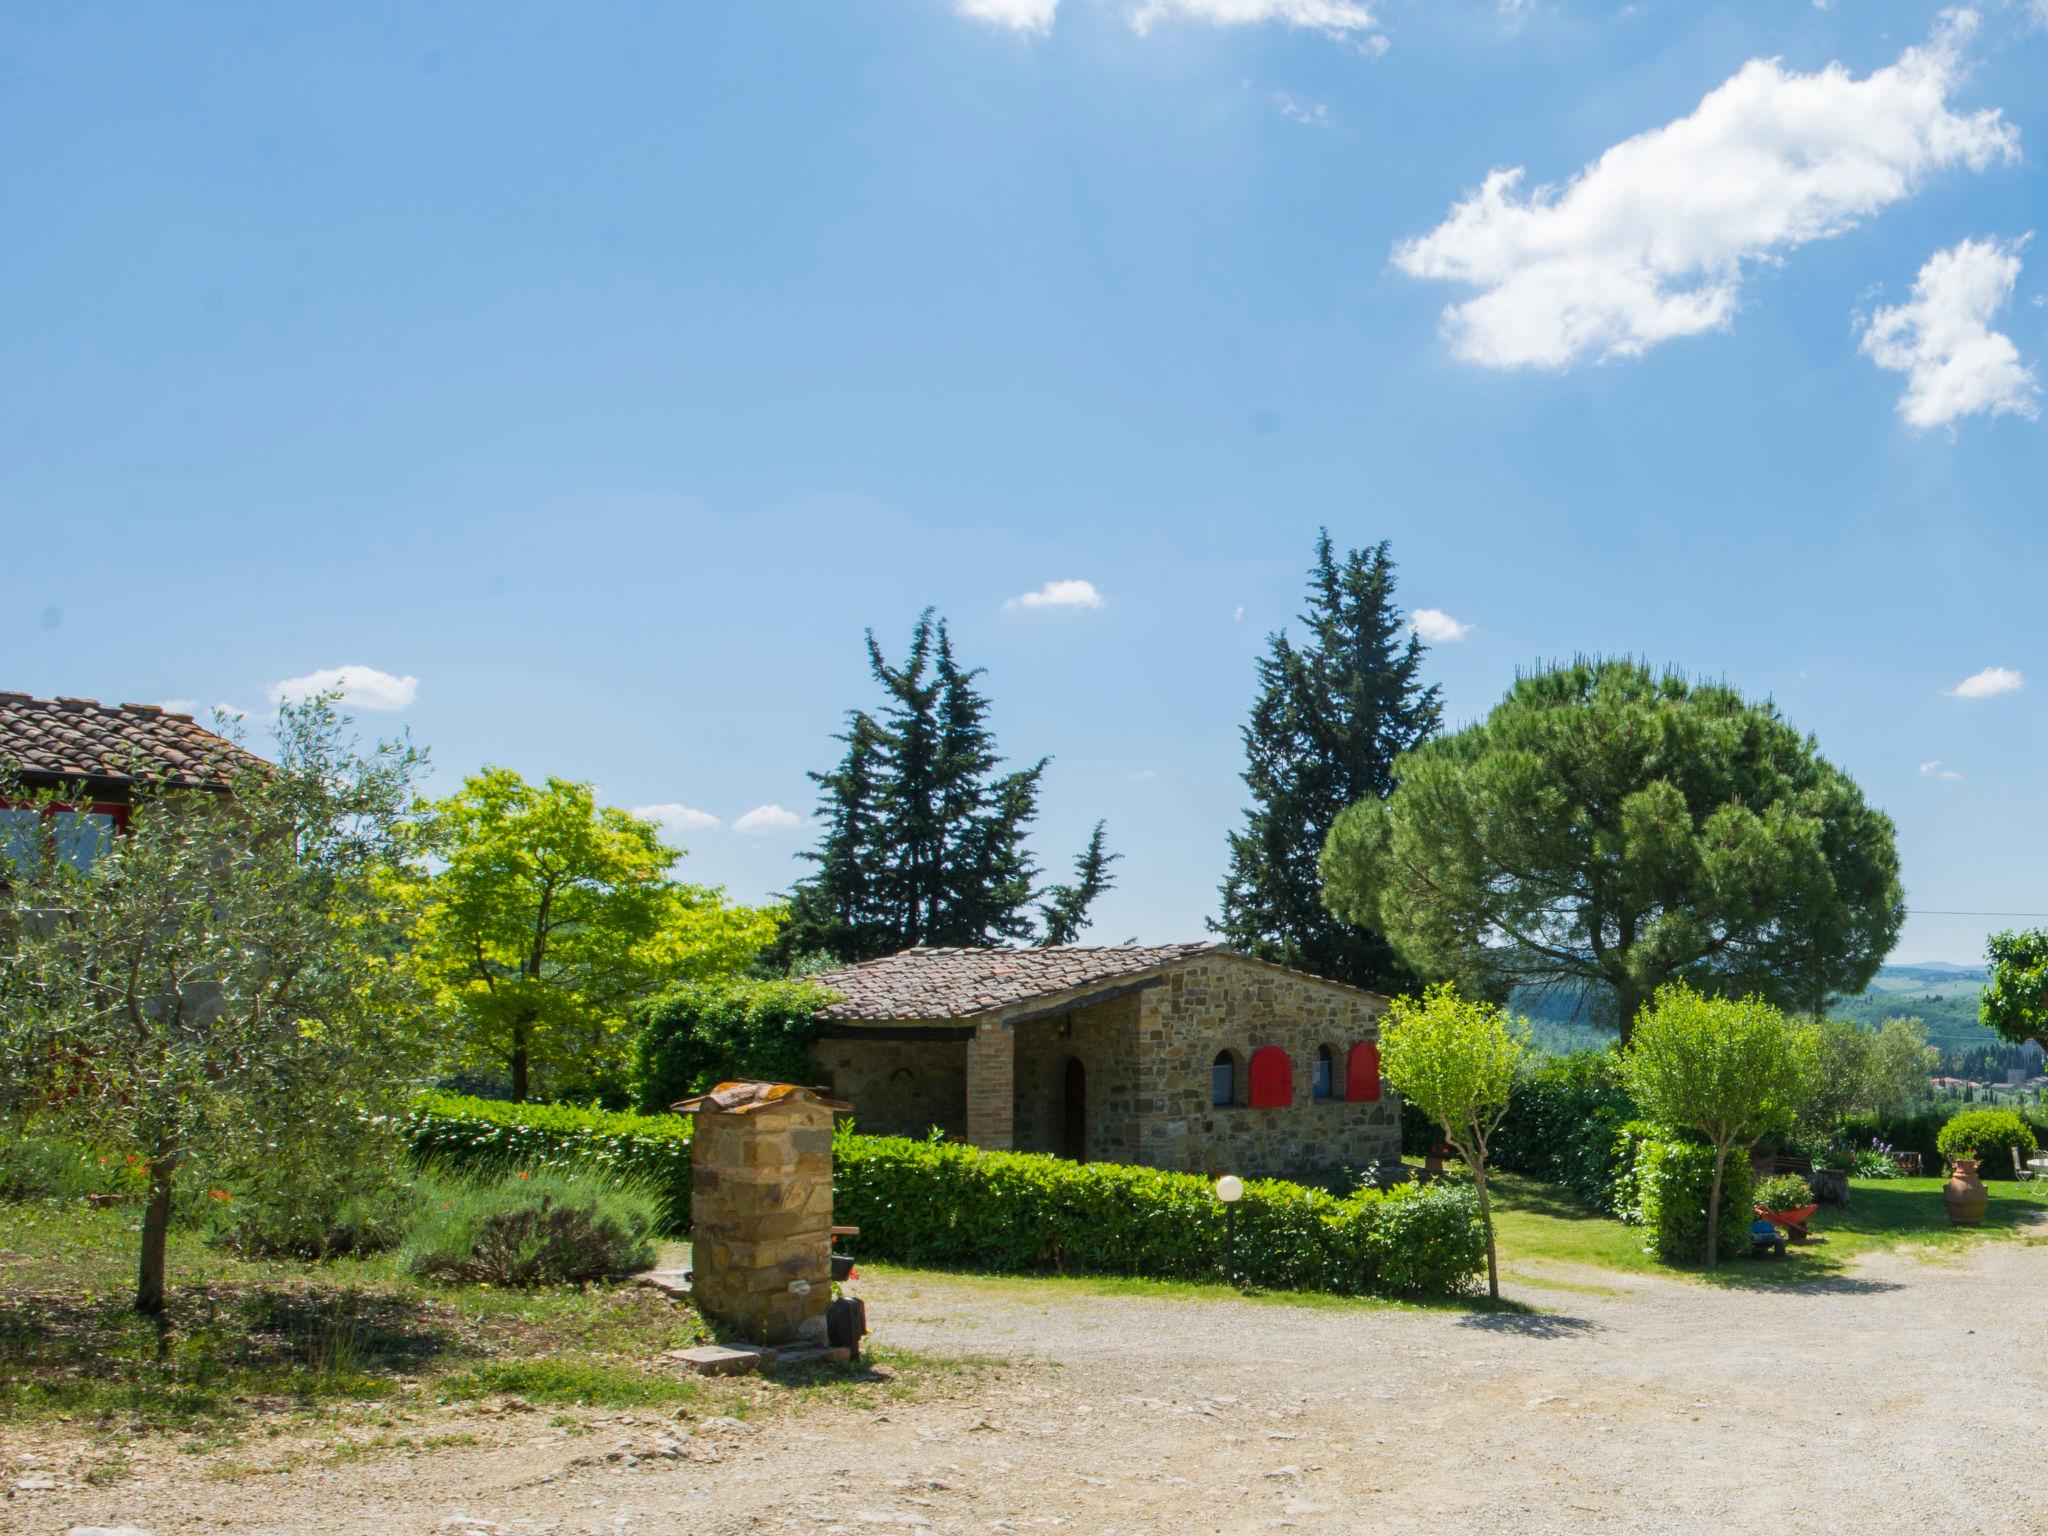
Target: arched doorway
(1074, 1111)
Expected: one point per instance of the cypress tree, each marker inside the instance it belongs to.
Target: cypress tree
(1331, 716)
(924, 839)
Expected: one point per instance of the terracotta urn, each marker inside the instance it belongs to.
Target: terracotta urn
(1964, 1193)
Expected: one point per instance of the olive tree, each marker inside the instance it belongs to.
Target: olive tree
(1729, 1069)
(217, 984)
(1609, 829)
(1455, 1059)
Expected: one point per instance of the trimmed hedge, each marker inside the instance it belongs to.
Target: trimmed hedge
(698, 1035)
(1668, 1184)
(936, 1202)
(1563, 1126)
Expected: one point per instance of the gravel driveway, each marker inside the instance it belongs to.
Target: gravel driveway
(1907, 1396)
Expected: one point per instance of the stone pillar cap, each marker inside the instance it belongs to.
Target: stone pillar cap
(745, 1098)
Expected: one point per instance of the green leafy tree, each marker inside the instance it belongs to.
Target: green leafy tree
(545, 916)
(924, 839)
(1332, 716)
(1455, 1059)
(1612, 829)
(215, 991)
(2014, 1001)
(1730, 1070)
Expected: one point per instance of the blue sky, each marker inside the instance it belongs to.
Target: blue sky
(604, 371)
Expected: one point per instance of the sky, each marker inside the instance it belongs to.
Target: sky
(578, 384)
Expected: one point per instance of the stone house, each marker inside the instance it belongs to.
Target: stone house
(1184, 1056)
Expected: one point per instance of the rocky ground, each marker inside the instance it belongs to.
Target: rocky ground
(1907, 1396)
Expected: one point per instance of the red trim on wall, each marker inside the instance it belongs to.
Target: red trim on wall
(1362, 1073)
(1272, 1085)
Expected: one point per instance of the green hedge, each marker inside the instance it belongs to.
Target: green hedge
(925, 1202)
(1563, 1123)
(935, 1202)
(1921, 1132)
(1664, 1182)
(696, 1036)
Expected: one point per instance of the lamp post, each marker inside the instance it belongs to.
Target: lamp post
(1230, 1190)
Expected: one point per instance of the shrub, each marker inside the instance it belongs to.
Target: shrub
(1671, 1181)
(1563, 1122)
(699, 1035)
(934, 1202)
(528, 1229)
(1782, 1192)
(1987, 1135)
(649, 1151)
(1876, 1163)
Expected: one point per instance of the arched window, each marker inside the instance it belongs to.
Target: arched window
(1362, 1073)
(1325, 1072)
(1223, 1080)
(1272, 1077)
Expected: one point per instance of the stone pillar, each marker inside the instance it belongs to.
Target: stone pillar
(761, 1210)
(992, 1087)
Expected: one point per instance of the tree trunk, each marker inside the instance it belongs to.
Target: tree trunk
(519, 1061)
(1486, 1221)
(1714, 1210)
(1628, 1002)
(156, 1222)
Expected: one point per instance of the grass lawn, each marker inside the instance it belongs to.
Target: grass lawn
(249, 1338)
(1539, 1226)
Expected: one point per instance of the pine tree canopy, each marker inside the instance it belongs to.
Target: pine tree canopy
(924, 839)
(1332, 715)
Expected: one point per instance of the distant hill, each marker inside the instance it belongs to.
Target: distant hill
(1942, 995)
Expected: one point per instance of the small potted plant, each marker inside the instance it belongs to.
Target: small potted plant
(1786, 1199)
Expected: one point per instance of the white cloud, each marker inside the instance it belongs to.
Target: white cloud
(1934, 770)
(1312, 113)
(1989, 683)
(1059, 594)
(766, 820)
(1237, 612)
(1018, 15)
(363, 686)
(677, 817)
(1145, 773)
(1437, 627)
(1339, 18)
(1941, 338)
(178, 706)
(1652, 240)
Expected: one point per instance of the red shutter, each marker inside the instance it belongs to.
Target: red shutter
(1272, 1078)
(1362, 1073)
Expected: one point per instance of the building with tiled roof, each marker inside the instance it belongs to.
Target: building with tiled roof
(1187, 1056)
(93, 757)
(110, 748)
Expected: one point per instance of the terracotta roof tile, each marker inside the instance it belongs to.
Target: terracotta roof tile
(955, 983)
(84, 739)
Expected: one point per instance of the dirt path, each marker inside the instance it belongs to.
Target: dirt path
(1906, 1397)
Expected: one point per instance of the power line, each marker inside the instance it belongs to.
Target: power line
(1944, 912)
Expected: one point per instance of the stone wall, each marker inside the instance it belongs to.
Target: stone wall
(898, 1087)
(1104, 1039)
(1210, 1005)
